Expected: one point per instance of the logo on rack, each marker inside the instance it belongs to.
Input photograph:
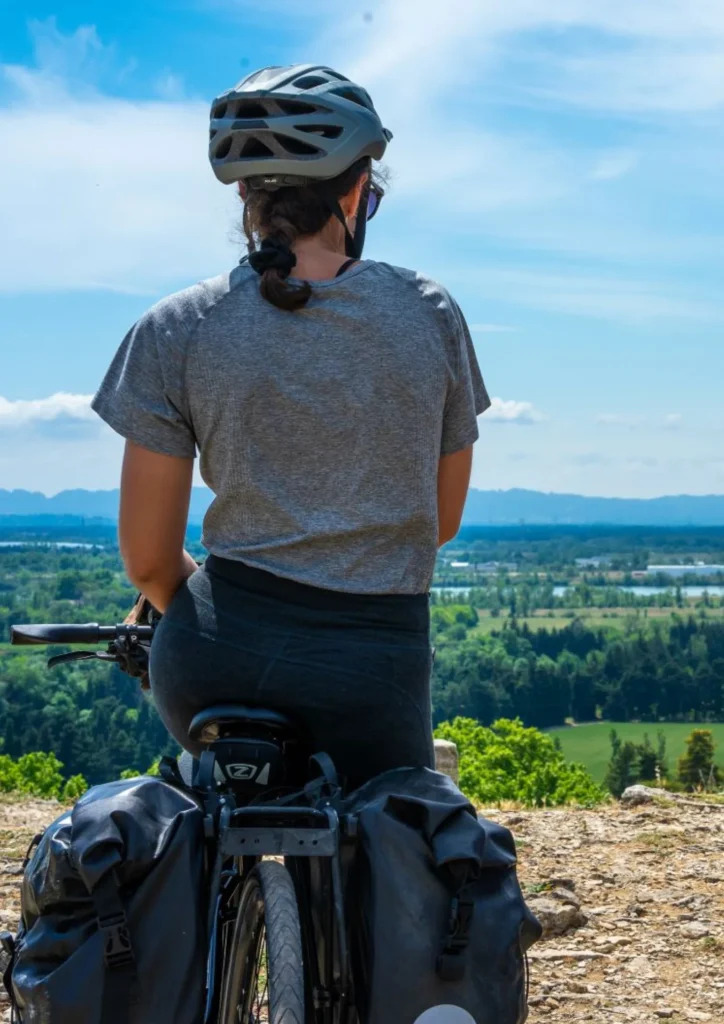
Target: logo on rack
(241, 772)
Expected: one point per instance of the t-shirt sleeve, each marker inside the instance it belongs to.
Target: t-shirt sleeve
(142, 394)
(467, 396)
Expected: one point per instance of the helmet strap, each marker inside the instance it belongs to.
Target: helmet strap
(353, 243)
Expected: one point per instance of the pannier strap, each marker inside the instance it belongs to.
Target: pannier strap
(120, 987)
(31, 849)
(9, 953)
(451, 961)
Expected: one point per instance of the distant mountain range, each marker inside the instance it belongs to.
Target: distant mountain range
(497, 508)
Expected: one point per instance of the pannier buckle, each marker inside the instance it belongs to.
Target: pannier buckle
(117, 949)
(451, 960)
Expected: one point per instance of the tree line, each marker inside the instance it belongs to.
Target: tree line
(655, 671)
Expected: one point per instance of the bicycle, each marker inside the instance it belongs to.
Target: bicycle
(277, 950)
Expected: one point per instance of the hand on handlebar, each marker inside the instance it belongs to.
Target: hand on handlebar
(143, 613)
(134, 662)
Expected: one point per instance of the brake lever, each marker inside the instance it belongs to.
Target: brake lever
(62, 659)
(128, 653)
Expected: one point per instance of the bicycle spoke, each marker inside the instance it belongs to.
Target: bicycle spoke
(257, 999)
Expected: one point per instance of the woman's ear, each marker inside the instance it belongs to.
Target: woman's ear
(350, 203)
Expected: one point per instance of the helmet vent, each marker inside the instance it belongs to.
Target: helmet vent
(296, 107)
(254, 148)
(355, 96)
(249, 110)
(223, 149)
(327, 131)
(309, 82)
(296, 146)
(220, 111)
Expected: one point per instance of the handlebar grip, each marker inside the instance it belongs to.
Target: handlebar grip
(88, 633)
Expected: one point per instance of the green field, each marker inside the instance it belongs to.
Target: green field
(610, 618)
(589, 744)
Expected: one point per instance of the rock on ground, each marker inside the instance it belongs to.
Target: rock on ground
(633, 896)
(446, 758)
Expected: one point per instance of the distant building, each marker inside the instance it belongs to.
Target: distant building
(685, 570)
(460, 565)
(495, 567)
(593, 563)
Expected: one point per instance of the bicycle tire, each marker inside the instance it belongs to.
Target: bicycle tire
(267, 928)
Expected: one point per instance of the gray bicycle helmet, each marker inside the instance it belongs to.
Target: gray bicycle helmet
(292, 125)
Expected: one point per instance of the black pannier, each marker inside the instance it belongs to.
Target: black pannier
(438, 925)
(113, 918)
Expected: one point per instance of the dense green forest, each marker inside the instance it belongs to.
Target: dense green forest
(514, 649)
(671, 671)
(91, 716)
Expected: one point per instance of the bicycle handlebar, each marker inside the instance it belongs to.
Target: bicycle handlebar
(88, 633)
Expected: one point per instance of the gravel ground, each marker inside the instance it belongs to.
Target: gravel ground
(632, 900)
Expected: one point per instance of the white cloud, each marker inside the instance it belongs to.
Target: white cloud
(491, 329)
(660, 54)
(602, 297)
(665, 77)
(24, 412)
(510, 411)
(614, 165)
(170, 87)
(104, 192)
(80, 57)
(620, 419)
(672, 421)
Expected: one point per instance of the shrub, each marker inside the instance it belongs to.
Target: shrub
(131, 773)
(74, 789)
(635, 762)
(696, 767)
(508, 761)
(39, 774)
(8, 774)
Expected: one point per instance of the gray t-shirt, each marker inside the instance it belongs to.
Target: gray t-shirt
(319, 431)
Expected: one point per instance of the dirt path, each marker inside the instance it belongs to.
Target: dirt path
(649, 883)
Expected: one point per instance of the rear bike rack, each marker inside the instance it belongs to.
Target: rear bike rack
(301, 833)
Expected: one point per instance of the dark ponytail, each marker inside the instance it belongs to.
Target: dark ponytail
(267, 215)
(273, 221)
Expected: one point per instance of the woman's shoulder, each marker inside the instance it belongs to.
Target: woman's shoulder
(419, 288)
(183, 310)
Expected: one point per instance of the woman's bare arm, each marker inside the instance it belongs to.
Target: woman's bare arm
(155, 495)
(453, 480)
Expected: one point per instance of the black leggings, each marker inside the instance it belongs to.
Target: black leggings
(354, 670)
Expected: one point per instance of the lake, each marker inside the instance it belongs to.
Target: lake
(690, 591)
(73, 545)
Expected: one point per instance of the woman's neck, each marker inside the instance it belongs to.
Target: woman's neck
(317, 260)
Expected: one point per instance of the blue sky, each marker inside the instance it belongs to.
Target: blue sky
(558, 164)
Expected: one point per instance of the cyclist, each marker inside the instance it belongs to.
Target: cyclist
(333, 402)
